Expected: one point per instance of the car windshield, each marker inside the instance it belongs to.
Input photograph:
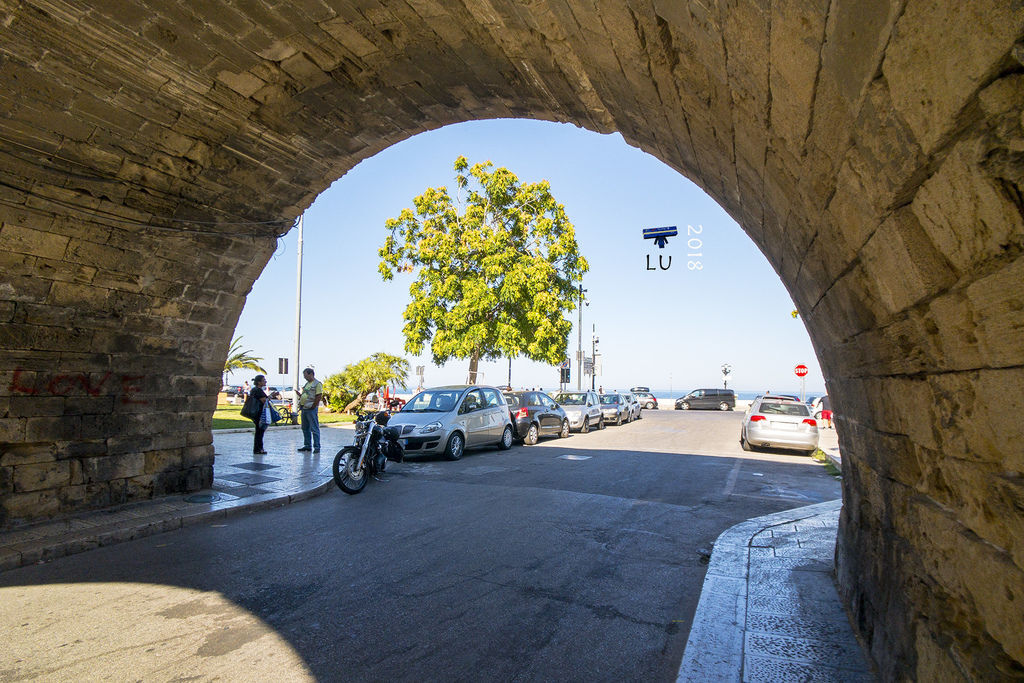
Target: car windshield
(610, 399)
(432, 401)
(572, 399)
(512, 400)
(780, 408)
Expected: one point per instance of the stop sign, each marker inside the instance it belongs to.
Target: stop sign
(801, 370)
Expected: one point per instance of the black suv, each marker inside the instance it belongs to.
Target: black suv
(711, 399)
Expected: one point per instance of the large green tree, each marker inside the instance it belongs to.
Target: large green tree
(498, 267)
(359, 380)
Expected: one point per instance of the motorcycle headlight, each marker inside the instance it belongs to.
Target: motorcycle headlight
(432, 427)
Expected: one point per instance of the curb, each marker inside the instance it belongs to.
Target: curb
(714, 649)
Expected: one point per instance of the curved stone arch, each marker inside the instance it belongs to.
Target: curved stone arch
(152, 151)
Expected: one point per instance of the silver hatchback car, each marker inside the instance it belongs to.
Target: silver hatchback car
(774, 421)
(450, 419)
(583, 408)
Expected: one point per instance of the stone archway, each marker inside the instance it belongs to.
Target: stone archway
(152, 152)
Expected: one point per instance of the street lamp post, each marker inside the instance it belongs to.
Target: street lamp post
(579, 343)
(593, 356)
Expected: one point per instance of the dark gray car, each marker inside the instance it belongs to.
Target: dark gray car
(535, 414)
(707, 399)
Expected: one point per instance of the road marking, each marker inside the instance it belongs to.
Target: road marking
(730, 482)
(574, 457)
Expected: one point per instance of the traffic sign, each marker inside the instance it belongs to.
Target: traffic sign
(800, 370)
(565, 364)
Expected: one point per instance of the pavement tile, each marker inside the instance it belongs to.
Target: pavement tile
(768, 670)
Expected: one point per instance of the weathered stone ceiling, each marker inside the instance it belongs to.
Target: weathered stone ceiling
(150, 151)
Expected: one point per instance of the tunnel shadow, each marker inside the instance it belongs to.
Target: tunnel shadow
(453, 568)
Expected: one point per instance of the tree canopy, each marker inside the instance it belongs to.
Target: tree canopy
(498, 267)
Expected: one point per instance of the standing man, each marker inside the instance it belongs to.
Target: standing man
(309, 401)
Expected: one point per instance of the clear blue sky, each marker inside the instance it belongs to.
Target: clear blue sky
(667, 329)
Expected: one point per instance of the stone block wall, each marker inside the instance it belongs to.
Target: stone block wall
(150, 151)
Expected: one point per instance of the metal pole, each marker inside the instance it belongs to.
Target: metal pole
(593, 356)
(579, 346)
(298, 321)
(510, 372)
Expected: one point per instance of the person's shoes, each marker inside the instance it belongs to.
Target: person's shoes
(316, 450)
(305, 448)
(259, 452)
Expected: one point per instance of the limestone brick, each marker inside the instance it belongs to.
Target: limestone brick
(934, 66)
(41, 477)
(106, 468)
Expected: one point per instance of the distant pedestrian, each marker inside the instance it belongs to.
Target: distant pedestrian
(309, 401)
(245, 390)
(826, 411)
(600, 389)
(259, 396)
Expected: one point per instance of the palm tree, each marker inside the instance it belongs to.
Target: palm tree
(241, 360)
(372, 373)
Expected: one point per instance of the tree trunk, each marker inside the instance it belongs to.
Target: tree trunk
(358, 400)
(474, 363)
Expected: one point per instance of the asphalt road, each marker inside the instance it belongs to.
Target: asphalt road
(520, 565)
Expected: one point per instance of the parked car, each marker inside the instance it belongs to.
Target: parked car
(232, 389)
(780, 423)
(635, 409)
(450, 419)
(712, 399)
(616, 408)
(646, 398)
(583, 408)
(535, 414)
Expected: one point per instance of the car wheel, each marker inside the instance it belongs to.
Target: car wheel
(565, 429)
(744, 444)
(532, 435)
(456, 445)
(600, 423)
(817, 415)
(649, 406)
(585, 429)
(685, 405)
(723, 406)
(506, 438)
(618, 422)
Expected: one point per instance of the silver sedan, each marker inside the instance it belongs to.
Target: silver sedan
(781, 423)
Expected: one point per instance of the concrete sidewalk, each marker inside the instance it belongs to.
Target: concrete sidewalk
(769, 609)
(241, 480)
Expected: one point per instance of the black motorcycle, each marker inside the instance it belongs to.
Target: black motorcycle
(375, 444)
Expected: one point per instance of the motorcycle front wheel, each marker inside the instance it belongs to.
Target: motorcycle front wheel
(349, 479)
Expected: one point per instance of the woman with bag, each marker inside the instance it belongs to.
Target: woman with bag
(254, 409)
